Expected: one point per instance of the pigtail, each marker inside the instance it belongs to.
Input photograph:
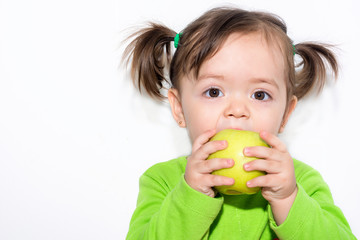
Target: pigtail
(316, 59)
(150, 55)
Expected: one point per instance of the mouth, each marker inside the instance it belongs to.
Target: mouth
(235, 128)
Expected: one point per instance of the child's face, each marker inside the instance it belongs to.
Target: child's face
(242, 87)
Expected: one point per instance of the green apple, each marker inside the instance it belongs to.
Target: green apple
(237, 141)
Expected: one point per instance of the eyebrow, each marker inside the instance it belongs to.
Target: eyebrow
(215, 76)
(269, 81)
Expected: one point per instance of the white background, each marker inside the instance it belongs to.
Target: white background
(75, 136)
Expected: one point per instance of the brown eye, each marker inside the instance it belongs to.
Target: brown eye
(261, 95)
(213, 93)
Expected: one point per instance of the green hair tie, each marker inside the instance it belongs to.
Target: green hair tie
(294, 49)
(177, 39)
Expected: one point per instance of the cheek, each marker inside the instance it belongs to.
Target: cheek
(269, 121)
(199, 118)
(278, 121)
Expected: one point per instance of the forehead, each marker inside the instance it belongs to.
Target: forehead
(248, 56)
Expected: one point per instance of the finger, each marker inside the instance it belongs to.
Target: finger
(217, 180)
(261, 181)
(267, 166)
(263, 153)
(273, 141)
(211, 165)
(202, 139)
(209, 148)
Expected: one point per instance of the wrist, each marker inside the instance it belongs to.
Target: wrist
(288, 199)
(281, 207)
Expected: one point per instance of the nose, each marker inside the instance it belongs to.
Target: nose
(237, 109)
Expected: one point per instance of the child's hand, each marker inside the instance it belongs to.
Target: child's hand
(279, 185)
(198, 169)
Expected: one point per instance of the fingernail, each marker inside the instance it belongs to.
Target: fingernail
(246, 166)
(249, 184)
(230, 162)
(231, 181)
(247, 151)
(263, 134)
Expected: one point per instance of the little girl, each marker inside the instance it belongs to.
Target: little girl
(232, 69)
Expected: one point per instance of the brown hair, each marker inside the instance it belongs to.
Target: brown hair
(152, 61)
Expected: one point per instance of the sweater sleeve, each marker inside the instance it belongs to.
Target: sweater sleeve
(167, 212)
(313, 214)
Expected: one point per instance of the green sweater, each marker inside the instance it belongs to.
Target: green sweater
(168, 208)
